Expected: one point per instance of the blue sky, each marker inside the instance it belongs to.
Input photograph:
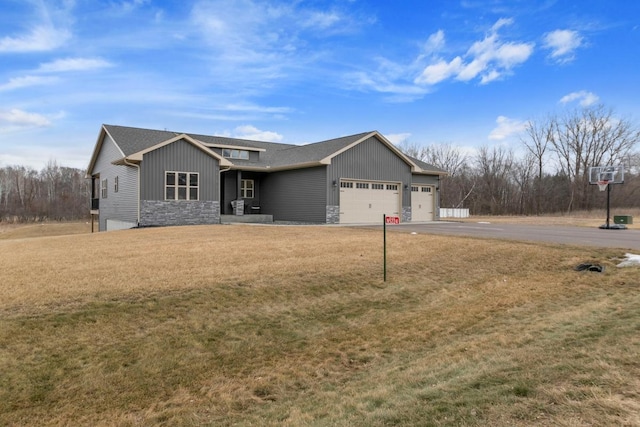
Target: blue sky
(464, 72)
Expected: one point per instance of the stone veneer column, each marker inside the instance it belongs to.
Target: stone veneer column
(333, 214)
(406, 214)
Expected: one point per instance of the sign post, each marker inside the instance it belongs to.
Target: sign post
(386, 220)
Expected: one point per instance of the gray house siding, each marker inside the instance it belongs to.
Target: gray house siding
(122, 205)
(425, 179)
(370, 160)
(179, 156)
(295, 195)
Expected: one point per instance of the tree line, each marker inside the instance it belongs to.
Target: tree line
(54, 193)
(547, 172)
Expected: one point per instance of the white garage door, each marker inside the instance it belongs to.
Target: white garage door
(366, 201)
(421, 202)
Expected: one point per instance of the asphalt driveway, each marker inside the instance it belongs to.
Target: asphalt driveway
(581, 236)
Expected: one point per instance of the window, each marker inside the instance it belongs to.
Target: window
(375, 186)
(363, 185)
(246, 189)
(115, 184)
(415, 188)
(344, 184)
(103, 189)
(392, 187)
(181, 186)
(426, 189)
(235, 154)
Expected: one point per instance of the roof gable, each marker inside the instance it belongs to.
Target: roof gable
(137, 157)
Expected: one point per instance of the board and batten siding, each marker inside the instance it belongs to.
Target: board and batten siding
(425, 179)
(369, 160)
(295, 195)
(180, 156)
(123, 205)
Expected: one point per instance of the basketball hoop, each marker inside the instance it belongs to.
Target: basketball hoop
(602, 185)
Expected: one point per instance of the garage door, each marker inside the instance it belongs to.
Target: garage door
(366, 201)
(421, 203)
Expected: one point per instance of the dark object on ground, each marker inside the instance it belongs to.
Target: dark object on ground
(589, 267)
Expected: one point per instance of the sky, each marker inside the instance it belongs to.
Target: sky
(469, 73)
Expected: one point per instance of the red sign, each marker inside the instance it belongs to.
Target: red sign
(392, 219)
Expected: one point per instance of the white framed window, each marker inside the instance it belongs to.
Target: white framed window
(415, 188)
(181, 185)
(103, 189)
(426, 189)
(247, 188)
(393, 187)
(362, 185)
(376, 186)
(116, 184)
(235, 154)
(346, 184)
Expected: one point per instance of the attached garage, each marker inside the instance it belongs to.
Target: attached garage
(368, 201)
(422, 203)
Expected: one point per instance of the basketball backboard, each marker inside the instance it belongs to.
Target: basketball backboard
(610, 174)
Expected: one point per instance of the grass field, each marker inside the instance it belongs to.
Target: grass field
(264, 325)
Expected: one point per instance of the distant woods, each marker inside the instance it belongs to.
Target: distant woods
(547, 172)
(54, 193)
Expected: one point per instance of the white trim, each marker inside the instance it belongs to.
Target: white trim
(188, 187)
(243, 189)
(137, 157)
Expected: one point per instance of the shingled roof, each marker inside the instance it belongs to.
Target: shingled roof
(273, 155)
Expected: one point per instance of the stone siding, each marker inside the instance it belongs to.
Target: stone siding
(181, 212)
(406, 214)
(333, 214)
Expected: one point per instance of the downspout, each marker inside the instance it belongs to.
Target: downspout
(138, 183)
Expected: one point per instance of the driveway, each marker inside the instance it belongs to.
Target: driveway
(570, 235)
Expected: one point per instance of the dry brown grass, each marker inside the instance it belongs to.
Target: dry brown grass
(25, 231)
(259, 325)
(593, 218)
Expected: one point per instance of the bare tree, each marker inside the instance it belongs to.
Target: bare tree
(590, 137)
(494, 167)
(539, 138)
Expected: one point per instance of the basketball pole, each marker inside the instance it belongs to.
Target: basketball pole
(608, 203)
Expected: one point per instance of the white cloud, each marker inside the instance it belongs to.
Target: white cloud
(489, 59)
(26, 81)
(586, 98)
(397, 138)
(253, 133)
(18, 119)
(506, 127)
(74, 64)
(562, 44)
(442, 70)
(383, 81)
(322, 19)
(41, 38)
(435, 42)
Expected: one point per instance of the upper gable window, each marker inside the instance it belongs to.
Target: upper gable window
(235, 154)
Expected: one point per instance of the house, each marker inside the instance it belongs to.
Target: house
(145, 177)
